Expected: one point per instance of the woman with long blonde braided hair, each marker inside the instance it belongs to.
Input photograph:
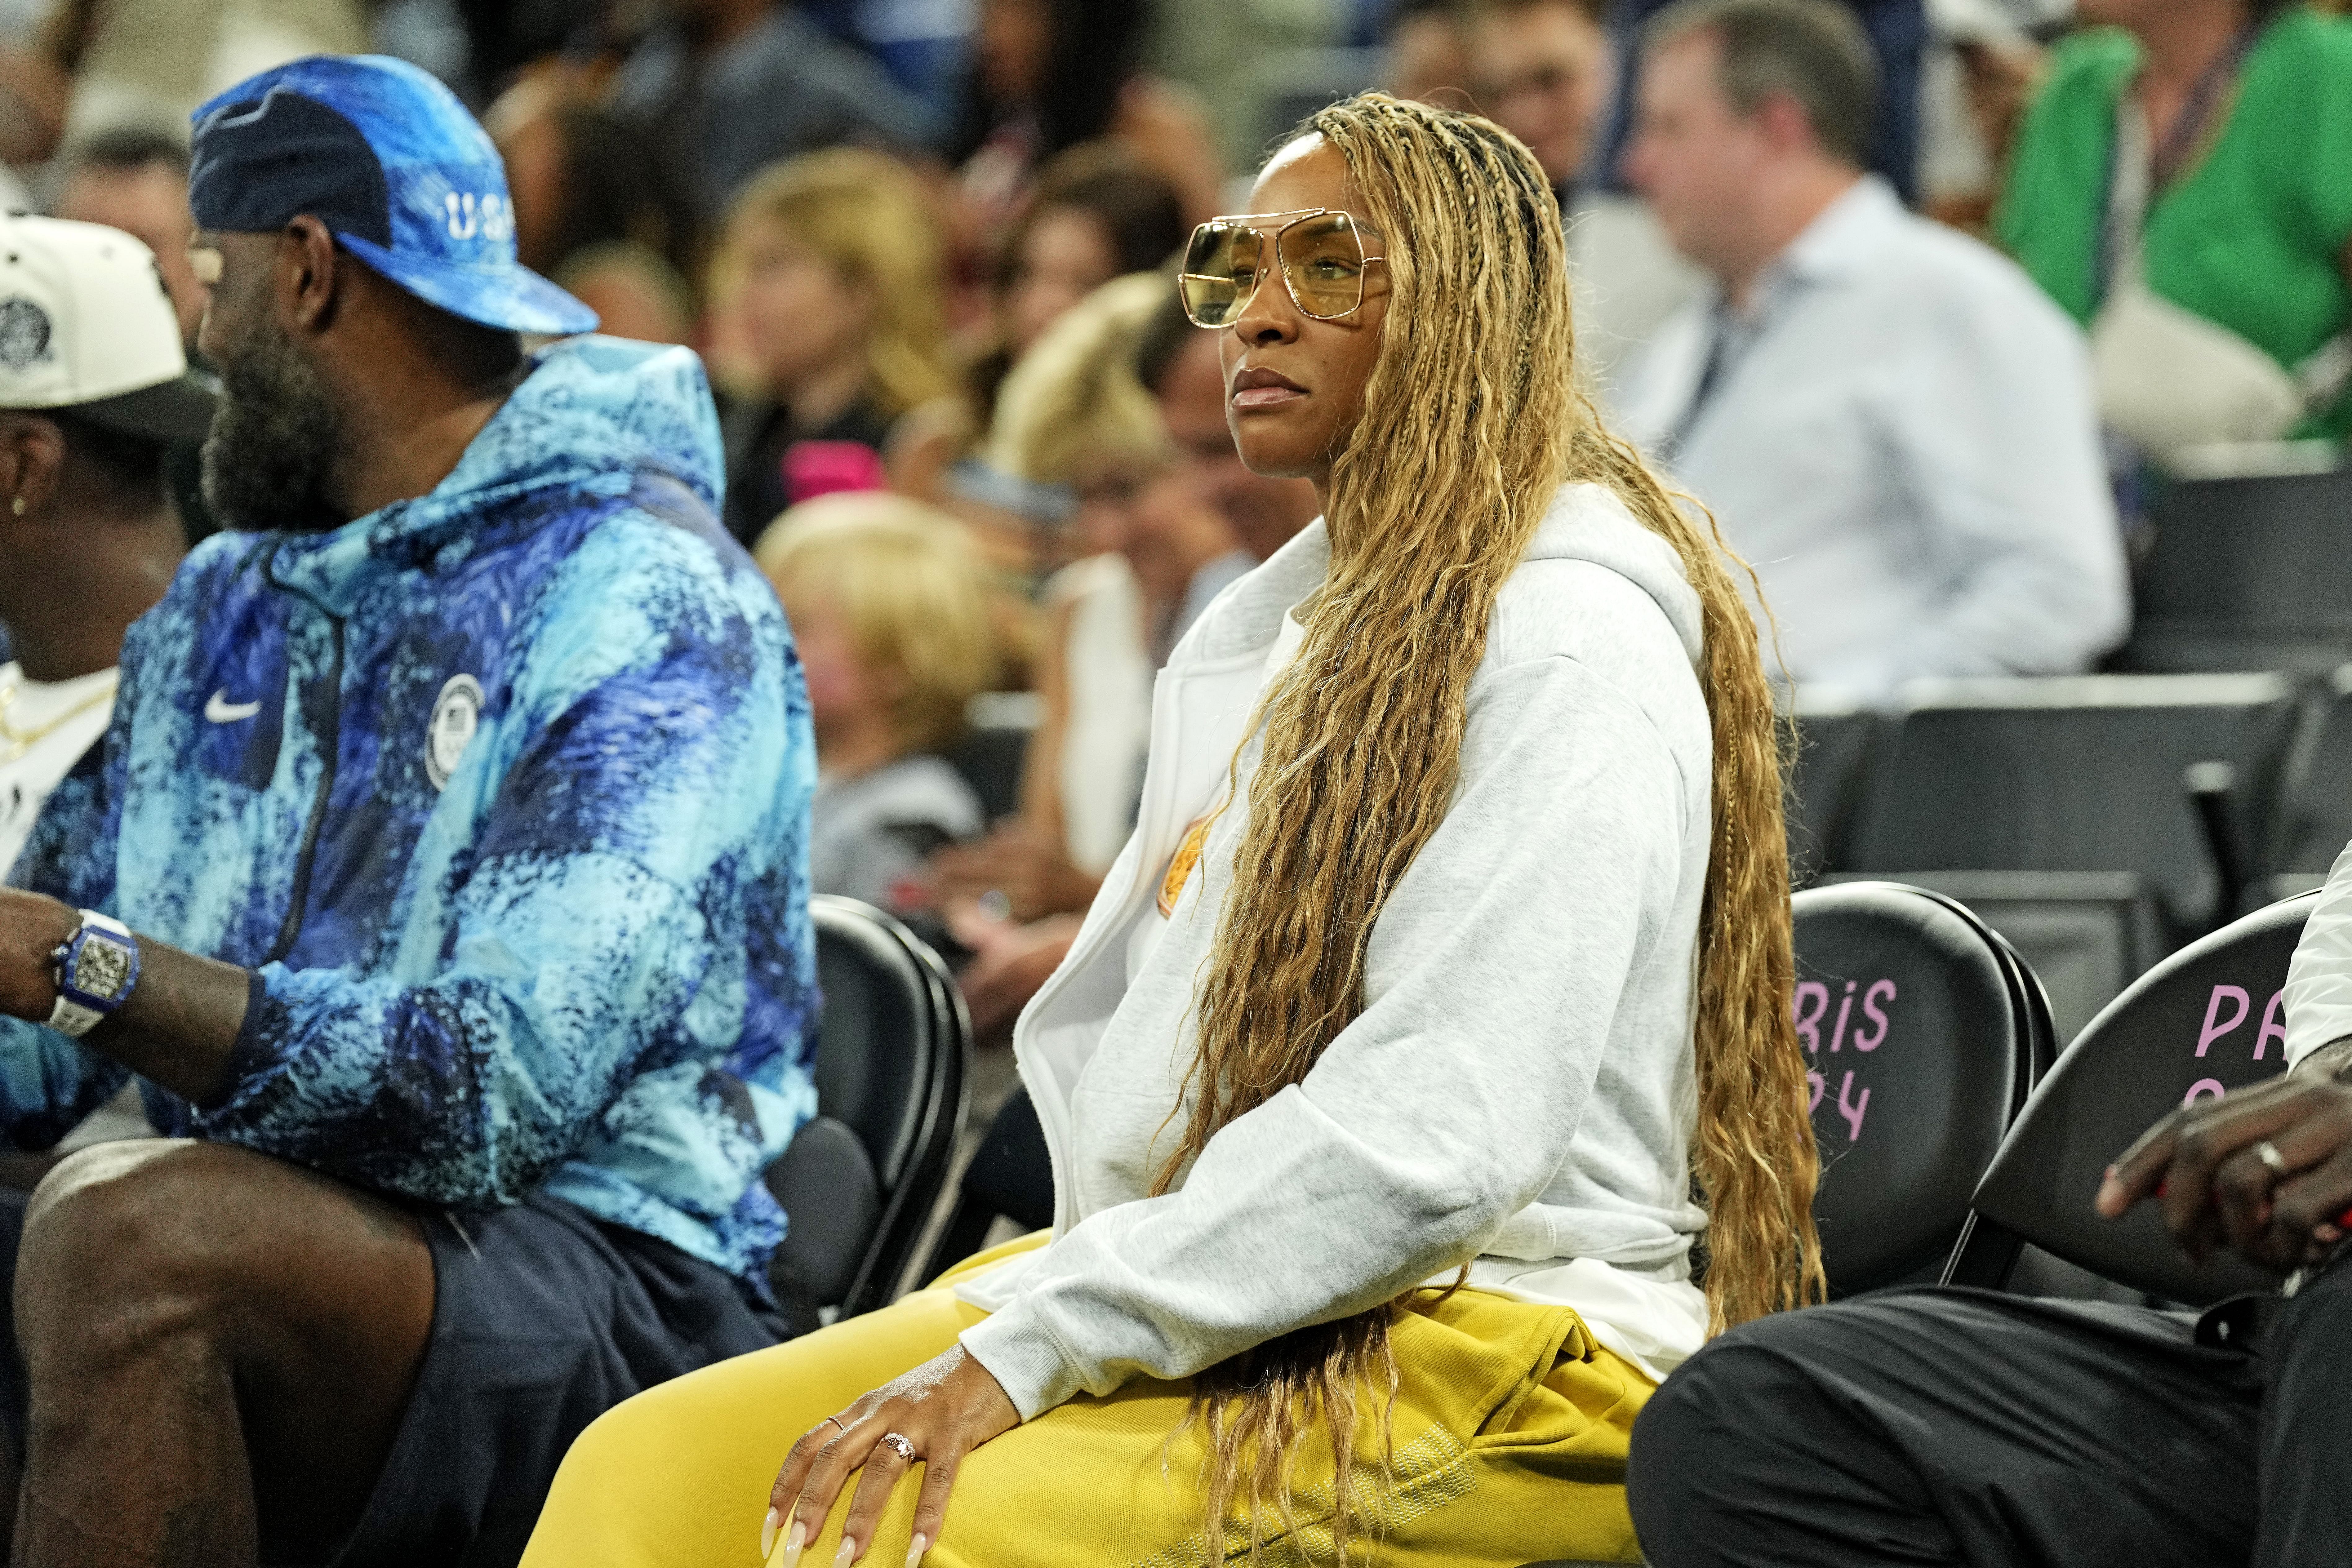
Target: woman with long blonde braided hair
(1421, 1087)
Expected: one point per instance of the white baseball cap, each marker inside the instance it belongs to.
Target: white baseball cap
(86, 326)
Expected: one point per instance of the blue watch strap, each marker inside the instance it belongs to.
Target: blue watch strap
(97, 968)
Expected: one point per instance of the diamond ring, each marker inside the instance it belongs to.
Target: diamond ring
(2273, 1160)
(898, 1445)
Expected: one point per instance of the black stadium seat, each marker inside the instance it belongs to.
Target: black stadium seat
(1925, 1034)
(1963, 1031)
(2206, 1020)
(990, 759)
(1928, 1033)
(2247, 573)
(2084, 935)
(1834, 742)
(894, 1050)
(2080, 774)
(996, 747)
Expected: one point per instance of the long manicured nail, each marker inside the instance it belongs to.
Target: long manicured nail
(794, 1539)
(914, 1549)
(768, 1534)
(846, 1556)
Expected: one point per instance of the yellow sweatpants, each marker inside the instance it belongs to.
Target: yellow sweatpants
(1509, 1432)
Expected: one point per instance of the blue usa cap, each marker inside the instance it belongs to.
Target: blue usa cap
(394, 166)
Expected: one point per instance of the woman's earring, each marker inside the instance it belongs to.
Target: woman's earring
(17, 506)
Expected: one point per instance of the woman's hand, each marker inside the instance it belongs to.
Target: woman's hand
(943, 1409)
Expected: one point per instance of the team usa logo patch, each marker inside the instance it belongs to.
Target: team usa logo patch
(456, 714)
(24, 333)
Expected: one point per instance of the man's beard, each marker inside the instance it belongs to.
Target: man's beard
(273, 439)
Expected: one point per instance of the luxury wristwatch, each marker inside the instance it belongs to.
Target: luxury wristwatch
(96, 968)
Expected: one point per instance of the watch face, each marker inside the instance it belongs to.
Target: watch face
(102, 970)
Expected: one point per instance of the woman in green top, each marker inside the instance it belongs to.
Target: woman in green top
(2227, 124)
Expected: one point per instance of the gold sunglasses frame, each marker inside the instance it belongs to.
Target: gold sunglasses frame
(1296, 217)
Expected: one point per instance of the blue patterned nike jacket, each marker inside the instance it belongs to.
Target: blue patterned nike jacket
(503, 793)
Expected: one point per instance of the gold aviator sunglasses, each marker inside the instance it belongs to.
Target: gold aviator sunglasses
(1319, 252)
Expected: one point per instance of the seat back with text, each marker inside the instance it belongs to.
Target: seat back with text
(893, 1058)
(1924, 1036)
(2207, 1020)
(2084, 935)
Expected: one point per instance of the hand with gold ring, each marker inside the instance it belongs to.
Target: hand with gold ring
(936, 1414)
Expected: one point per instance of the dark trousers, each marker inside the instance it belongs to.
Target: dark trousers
(1966, 1427)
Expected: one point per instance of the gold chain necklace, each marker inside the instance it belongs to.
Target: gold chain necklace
(15, 742)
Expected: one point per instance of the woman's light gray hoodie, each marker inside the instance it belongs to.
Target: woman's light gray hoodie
(1518, 1088)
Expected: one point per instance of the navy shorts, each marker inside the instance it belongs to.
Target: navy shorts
(543, 1319)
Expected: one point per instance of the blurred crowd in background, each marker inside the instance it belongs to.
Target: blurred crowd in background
(924, 247)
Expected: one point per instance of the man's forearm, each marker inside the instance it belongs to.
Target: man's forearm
(176, 1028)
(181, 1022)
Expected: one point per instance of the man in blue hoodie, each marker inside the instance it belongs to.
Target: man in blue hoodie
(443, 882)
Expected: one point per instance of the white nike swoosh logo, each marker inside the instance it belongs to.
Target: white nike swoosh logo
(220, 711)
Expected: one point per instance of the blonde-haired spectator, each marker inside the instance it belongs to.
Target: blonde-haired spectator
(888, 604)
(831, 328)
(1075, 401)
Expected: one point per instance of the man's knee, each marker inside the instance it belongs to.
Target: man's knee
(143, 1236)
(1713, 1441)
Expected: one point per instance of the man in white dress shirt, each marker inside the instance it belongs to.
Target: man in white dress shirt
(1885, 416)
(93, 384)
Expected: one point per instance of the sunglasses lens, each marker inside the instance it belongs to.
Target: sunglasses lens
(1209, 301)
(1323, 262)
(1220, 272)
